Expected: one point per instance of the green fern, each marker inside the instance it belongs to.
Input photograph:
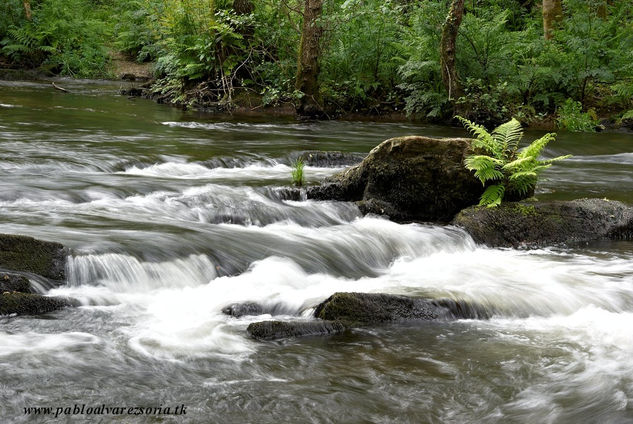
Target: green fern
(504, 168)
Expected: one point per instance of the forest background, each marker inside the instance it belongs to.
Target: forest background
(548, 63)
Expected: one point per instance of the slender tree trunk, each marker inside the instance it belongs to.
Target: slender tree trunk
(602, 9)
(308, 62)
(552, 16)
(243, 7)
(448, 47)
(27, 9)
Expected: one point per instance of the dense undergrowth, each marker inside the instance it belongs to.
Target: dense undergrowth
(377, 56)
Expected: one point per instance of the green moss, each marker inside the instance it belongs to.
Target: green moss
(26, 254)
(31, 304)
(526, 210)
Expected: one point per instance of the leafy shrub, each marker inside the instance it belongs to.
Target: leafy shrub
(502, 167)
(63, 37)
(572, 118)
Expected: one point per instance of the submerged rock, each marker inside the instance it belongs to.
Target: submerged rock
(243, 309)
(349, 310)
(238, 310)
(275, 330)
(358, 309)
(325, 159)
(22, 253)
(537, 224)
(32, 304)
(409, 178)
(14, 283)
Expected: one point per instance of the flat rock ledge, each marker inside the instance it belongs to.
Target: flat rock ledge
(15, 303)
(26, 254)
(28, 265)
(538, 224)
(275, 330)
(10, 282)
(350, 310)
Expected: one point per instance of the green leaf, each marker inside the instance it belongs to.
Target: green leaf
(508, 135)
(536, 147)
(483, 139)
(492, 196)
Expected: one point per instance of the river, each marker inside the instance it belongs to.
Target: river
(173, 215)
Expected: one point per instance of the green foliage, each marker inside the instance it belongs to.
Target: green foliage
(501, 167)
(376, 56)
(572, 118)
(64, 38)
(360, 62)
(297, 172)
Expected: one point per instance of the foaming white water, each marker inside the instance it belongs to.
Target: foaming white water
(34, 342)
(179, 302)
(248, 172)
(519, 283)
(597, 370)
(210, 203)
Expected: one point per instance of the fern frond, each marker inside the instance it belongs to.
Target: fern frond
(536, 147)
(550, 161)
(483, 139)
(492, 196)
(485, 167)
(476, 162)
(522, 185)
(517, 164)
(522, 175)
(508, 136)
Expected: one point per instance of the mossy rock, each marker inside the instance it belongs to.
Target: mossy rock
(26, 254)
(361, 309)
(14, 283)
(547, 223)
(408, 178)
(275, 330)
(326, 159)
(32, 304)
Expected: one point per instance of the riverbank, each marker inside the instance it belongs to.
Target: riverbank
(139, 83)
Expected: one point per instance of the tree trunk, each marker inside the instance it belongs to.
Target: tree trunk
(243, 7)
(27, 9)
(552, 16)
(602, 9)
(308, 63)
(447, 49)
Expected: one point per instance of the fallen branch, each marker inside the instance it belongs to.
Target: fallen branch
(57, 87)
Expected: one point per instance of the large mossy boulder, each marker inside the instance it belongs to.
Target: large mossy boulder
(408, 178)
(349, 310)
(15, 303)
(26, 254)
(534, 224)
(360, 309)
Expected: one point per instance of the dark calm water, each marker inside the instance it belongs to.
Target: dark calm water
(173, 215)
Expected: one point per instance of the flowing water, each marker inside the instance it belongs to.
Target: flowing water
(173, 215)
